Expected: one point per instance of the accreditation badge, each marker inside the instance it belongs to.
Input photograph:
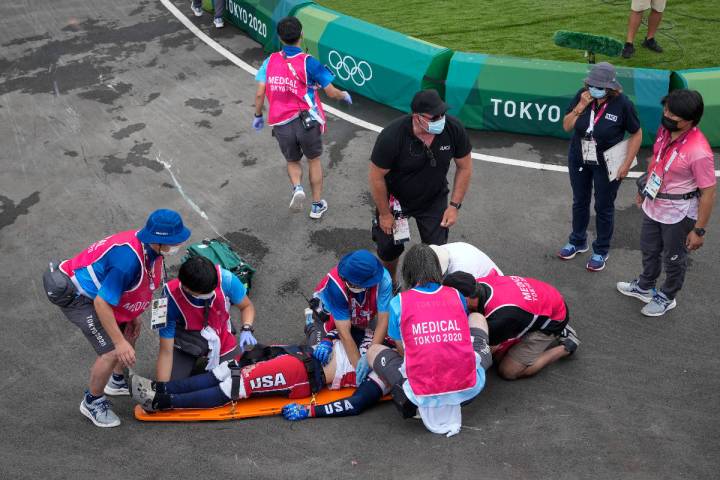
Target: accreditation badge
(401, 230)
(158, 313)
(652, 187)
(589, 151)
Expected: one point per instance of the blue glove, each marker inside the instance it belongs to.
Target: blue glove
(247, 339)
(322, 352)
(362, 370)
(347, 98)
(258, 123)
(294, 412)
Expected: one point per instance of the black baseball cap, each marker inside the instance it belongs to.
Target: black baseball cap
(428, 101)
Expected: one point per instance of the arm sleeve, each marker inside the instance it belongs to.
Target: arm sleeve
(384, 293)
(335, 303)
(703, 170)
(261, 75)
(574, 101)
(168, 331)
(365, 396)
(394, 321)
(232, 287)
(123, 270)
(318, 73)
(385, 150)
(632, 121)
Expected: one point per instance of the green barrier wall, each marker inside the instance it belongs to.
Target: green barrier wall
(375, 62)
(259, 18)
(530, 96)
(707, 82)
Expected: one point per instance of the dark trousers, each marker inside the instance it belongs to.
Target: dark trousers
(218, 4)
(582, 179)
(664, 243)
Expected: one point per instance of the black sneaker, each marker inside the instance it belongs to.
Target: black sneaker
(651, 44)
(569, 339)
(628, 50)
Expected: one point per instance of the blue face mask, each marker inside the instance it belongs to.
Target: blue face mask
(437, 126)
(597, 92)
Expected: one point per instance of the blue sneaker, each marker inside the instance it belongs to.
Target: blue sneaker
(596, 262)
(115, 388)
(318, 208)
(99, 412)
(569, 251)
(658, 305)
(297, 199)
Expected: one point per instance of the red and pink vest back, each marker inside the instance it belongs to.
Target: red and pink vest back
(439, 356)
(529, 294)
(218, 315)
(360, 313)
(284, 90)
(134, 301)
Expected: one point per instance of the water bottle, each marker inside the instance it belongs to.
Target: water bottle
(308, 316)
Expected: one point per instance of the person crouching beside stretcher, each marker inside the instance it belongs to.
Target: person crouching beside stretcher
(441, 356)
(198, 322)
(289, 371)
(352, 295)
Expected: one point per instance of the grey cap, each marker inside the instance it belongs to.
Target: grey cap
(603, 75)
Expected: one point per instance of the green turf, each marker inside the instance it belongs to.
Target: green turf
(525, 28)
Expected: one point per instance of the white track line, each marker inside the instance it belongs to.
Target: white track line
(350, 118)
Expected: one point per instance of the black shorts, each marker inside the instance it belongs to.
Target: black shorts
(81, 313)
(295, 141)
(428, 224)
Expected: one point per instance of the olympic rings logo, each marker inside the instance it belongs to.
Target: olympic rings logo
(347, 68)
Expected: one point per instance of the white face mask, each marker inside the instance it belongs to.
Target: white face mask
(205, 296)
(172, 250)
(356, 289)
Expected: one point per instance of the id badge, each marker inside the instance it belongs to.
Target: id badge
(652, 187)
(589, 151)
(401, 230)
(158, 315)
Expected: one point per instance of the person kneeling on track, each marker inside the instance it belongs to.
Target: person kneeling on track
(198, 324)
(439, 364)
(289, 371)
(463, 257)
(347, 301)
(528, 320)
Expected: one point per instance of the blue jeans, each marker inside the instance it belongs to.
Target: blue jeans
(218, 4)
(582, 180)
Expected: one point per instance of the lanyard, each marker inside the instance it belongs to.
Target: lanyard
(663, 150)
(594, 120)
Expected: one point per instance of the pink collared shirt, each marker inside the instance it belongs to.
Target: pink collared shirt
(693, 168)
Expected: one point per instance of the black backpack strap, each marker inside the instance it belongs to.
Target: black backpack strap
(315, 373)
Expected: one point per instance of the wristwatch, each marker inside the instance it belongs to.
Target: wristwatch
(247, 328)
(456, 205)
(258, 116)
(699, 231)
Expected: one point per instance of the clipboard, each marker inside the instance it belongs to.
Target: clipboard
(614, 158)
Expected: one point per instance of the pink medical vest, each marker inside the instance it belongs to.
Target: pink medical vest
(286, 90)
(360, 313)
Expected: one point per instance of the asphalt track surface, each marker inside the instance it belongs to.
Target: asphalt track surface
(96, 96)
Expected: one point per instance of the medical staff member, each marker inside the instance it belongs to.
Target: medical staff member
(291, 80)
(354, 294)
(677, 199)
(103, 291)
(463, 257)
(410, 162)
(599, 116)
(198, 319)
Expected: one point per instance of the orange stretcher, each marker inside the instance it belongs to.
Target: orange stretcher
(247, 408)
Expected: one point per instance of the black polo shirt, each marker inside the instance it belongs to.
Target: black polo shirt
(619, 117)
(412, 179)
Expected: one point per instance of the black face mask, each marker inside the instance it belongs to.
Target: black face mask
(670, 124)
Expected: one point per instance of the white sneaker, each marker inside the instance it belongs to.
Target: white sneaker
(318, 208)
(115, 389)
(100, 413)
(298, 197)
(218, 22)
(196, 10)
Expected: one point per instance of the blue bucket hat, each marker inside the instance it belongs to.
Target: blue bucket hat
(164, 227)
(361, 268)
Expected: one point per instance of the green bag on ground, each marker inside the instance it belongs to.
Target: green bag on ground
(221, 253)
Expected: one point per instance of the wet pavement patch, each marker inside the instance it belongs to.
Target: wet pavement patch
(289, 288)
(248, 246)
(341, 240)
(127, 131)
(107, 94)
(10, 211)
(209, 106)
(204, 124)
(71, 153)
(135, 157)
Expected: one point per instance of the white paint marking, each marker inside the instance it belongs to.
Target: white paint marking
(350, 118)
